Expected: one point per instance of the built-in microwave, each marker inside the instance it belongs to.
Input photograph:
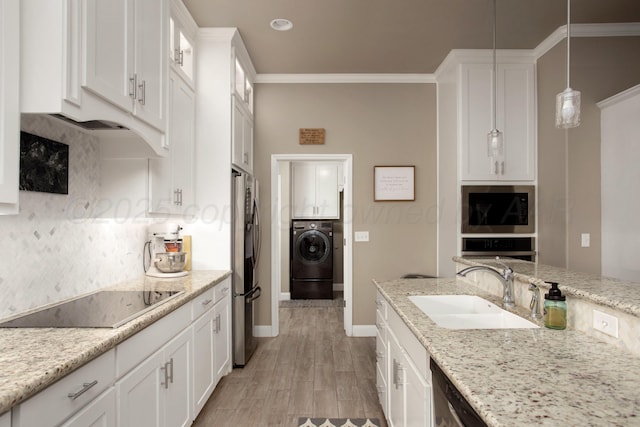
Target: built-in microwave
(498, 209)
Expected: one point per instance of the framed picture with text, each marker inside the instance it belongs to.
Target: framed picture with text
(394, 183)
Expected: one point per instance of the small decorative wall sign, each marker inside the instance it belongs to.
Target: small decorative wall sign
(311, 136)
(44, 165)
(394, 183)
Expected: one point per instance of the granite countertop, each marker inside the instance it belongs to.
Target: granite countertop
(33, 358)
(524, 377)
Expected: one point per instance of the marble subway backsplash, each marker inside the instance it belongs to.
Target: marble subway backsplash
(580, 308)
(56, 248)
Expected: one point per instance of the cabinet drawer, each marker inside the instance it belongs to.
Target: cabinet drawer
(222, 289)
(203, 303)
(54, 404)
(416, 351)
(137, 348)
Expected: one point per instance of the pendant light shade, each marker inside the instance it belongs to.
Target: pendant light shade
(568, 101)
(495, 141)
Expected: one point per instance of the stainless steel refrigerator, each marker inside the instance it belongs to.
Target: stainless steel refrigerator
(246, 254)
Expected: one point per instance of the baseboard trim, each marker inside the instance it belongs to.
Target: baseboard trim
(364, 330)
(263, 331)
(285, 296)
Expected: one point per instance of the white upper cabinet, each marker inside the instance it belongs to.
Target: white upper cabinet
(171, 178)
(98, 60)
(515, 118)
(242, 136)
(182, 35)
(224, 98)
(126, 54)
(9, 106)
(243, 85)
(242, 99)
(314, 191)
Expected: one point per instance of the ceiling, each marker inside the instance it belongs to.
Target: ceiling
(392, 36)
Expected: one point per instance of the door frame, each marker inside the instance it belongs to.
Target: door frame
(276, 242)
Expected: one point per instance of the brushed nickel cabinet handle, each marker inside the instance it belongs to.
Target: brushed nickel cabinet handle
(132, 86)
(142, 95)
(84, 389)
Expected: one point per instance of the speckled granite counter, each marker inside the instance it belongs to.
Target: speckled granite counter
(524, 377)
(33, 358)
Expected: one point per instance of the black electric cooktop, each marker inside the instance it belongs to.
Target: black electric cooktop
(102, 309)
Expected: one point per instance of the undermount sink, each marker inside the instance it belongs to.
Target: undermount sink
(468, 312)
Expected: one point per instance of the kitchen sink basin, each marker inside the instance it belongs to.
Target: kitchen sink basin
(468, 312)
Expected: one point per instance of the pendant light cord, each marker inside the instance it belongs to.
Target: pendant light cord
(568, 39)
(495, 69)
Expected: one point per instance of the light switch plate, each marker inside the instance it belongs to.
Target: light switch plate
(362, 236)
(586, 240)
(605, 323)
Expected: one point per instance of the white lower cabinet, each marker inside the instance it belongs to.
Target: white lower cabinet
(157, 392)
(74, 393)
(178, 384)
(382, 354)
(205, 378)
(160, 377)
(138, 394)
(212, 343)
(222, 353)
(101, 412)
(405, 394)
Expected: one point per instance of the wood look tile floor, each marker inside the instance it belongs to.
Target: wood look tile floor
(312, 369)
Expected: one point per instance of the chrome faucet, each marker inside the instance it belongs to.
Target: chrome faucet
(534, 305)
(507, 281)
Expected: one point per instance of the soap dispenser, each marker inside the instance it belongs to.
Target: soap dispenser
(555, 308)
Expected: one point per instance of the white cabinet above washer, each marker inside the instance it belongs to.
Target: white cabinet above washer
(314, 190)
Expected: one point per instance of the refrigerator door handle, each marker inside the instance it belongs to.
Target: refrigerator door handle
(253, 295)
(256, 234)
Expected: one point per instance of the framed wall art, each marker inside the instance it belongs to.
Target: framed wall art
(394, 183)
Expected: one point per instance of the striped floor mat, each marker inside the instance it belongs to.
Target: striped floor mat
(338, 422)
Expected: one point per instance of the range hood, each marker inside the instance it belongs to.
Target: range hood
(92, 124)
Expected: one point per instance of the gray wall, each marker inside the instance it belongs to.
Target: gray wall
(379, 124)
(569, 161)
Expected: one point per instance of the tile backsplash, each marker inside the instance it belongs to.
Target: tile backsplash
(55, 248)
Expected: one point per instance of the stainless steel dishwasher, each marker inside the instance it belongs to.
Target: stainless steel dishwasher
(449, 406)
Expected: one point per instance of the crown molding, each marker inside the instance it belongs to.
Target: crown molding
(629, 29)
(345, 78)
(626, 94)
(482, 56)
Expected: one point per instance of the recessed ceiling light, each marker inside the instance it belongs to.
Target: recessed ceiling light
(281, 24)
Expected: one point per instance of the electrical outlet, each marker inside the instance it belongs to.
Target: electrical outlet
(586, 240)
(605, 323)
(362, 236)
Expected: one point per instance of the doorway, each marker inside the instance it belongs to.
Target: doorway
(280, 204)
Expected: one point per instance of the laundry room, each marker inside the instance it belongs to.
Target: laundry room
(312, 249)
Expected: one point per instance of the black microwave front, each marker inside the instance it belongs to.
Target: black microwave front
(498, 209)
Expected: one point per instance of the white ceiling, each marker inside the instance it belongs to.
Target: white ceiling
(392, 36)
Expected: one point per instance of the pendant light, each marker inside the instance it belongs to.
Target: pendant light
(568, 101)
(495, 142)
